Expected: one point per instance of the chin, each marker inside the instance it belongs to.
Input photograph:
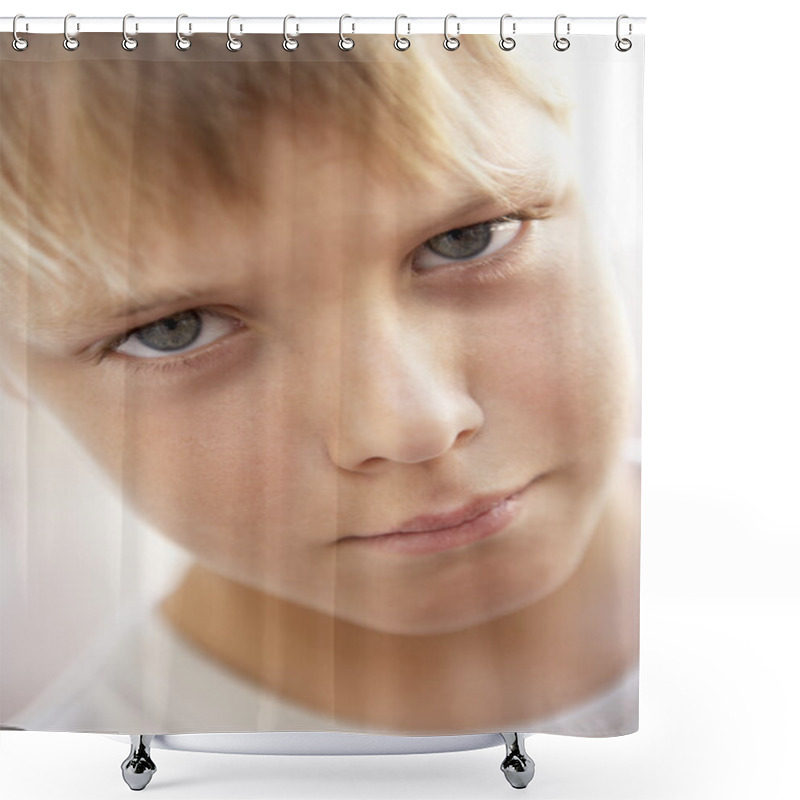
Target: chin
(445, 617)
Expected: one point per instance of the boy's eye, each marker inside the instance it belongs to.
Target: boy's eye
(177, 333)
(464, 244)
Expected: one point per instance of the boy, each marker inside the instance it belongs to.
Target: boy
(335, 324)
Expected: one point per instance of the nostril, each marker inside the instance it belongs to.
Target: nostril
(372, 463)
(466, 436)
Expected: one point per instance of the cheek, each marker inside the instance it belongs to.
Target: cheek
(231, 475)
(210, 470)
(210, 463)
(554, 363)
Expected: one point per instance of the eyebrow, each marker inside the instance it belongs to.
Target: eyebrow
(514, 197)
(515, 193)
(83, 318)
(154, 299)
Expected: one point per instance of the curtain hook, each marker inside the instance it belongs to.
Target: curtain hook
(623, 45)
(181, 42)
(561, 43)
(289, 42)
(18, 43)
(345, 43)
(506, 42)
(70, 42)
(128, 42)
(233, 44)
(451, 42)
(400, 42)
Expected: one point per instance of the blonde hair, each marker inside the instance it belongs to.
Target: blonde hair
(100, 131)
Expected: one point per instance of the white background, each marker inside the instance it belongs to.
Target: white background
(721, 529)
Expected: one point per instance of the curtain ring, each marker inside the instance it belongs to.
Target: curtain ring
(70, 42)
(623, 45)
(561, 43)
(18, 43)
(128, 42)
(506, 42)
(451, 42)
(233, 44)
(400, 42)
(289, 42)
(345, 43)
(181, 42)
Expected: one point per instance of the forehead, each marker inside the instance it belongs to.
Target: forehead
(319, 188)
(295, 162)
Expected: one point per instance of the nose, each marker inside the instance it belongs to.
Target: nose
(401, 400)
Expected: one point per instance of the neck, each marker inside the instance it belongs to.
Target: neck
(524, 666)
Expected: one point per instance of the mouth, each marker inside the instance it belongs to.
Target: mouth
(431, 533)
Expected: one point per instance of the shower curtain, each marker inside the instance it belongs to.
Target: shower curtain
(320, 383)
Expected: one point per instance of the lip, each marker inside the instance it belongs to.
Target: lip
(431, 533)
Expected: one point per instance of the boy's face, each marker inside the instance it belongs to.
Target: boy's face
(329, 367)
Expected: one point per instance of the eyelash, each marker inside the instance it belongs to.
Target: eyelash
(488, 268)
(496, 264)
(191, 358)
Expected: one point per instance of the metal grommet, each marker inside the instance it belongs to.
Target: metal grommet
(289, 42)
(400, 42)
(506, 42)
(345, 43)
(128, 42)
(561, 43)
(451, 42)
(18, 43)
(181, 42)
(233, 44)
(70, 42)
(623, 45)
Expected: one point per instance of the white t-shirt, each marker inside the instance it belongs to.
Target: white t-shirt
(149, 679)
